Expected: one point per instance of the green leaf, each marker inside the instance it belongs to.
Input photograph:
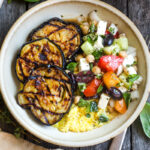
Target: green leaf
(92, 28)
(97, 54)
(91, 66)
(88, 115)
(100, 88)
(127, 98)
(111, 30)
(83, 103)
(93, 106)
(9, 1)
(71, 66)
(132, 78)
(145, 119)
(103, 118)
(32, 1)
(91, 38)
(99, 76)
(81, 86)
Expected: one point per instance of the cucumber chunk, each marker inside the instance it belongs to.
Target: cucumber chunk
(87, 48)
(113, 49)
(122, 42)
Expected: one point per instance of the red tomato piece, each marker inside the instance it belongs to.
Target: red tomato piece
(107, 32)
(92, 87)
(110, 62)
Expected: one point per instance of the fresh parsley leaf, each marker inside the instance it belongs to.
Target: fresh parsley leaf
(132, 78)
(88, 115)
(145, 119)
(97, 54)
(83, 103)
(100, 88)
(71, 66)
(81, 86)
(127, 98)
(92, 28)
(103, 118)
(112, 30)
(32, 1)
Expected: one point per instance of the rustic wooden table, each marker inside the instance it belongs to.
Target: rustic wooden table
(139, 12)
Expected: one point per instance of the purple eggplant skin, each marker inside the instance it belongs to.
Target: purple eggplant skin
(65, 23)
(85, 77)
(36, 66)
(72, 76)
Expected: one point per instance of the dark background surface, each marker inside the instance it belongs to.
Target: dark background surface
(139, 12)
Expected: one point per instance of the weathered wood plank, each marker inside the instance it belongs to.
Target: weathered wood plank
(9, 14)
(140, 15)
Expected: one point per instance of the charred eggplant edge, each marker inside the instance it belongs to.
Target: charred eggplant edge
(18, 56)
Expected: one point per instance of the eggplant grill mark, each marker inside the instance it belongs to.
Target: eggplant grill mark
(74, 36)
(46, 120)
(20, 66)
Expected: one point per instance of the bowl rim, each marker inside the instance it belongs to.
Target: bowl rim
(88, 142)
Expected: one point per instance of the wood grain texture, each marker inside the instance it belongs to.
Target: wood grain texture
(9, 13)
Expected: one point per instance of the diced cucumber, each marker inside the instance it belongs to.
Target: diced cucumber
(113, 49)
(123, 77)
(87, 48)
(122, 42)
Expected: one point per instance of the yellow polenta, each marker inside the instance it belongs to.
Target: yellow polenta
(76, 120)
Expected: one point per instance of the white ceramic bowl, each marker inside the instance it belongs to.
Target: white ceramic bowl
(69, 9)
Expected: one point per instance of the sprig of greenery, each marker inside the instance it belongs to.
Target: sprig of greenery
(30, 1)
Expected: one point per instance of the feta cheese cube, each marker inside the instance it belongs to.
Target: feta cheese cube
(119, 70)
(122, 89)
(130, 70)
(99, 43)
(101, 27)
(84, 65)
(103, 101)
(129, 60)
(135, 94)
(113, 29)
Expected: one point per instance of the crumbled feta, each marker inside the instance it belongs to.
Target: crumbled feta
(84, 65)
(135, 94)
(122, 89)
(101, 27)
(103, 101)
(113, 29)
(130, 70)
(139, 80)
(129, 60)
(99, 43)
(119, 70)
(131, 51)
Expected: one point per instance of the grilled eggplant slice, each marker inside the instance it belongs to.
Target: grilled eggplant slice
(52, 88)
(28, 100)
(36, 53)
(66, 34)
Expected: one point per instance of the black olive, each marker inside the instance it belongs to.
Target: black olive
(108, 40)
(115, 93)
(92, 97)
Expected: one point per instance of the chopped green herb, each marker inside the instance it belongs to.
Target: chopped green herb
(118, 85)
(132, 78)
(88, 115)
(127, 98)
(99, 76)
(145, 119)
(100, 88)
(81, 86)
(92, 28)
(71, 66)
(91, 38)
(91, 66)
(32, 1)
(97, 54)
(93, 106)
(9, 1)
(134, 63)
(83, 103)
(103, 118)
(111, 30)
